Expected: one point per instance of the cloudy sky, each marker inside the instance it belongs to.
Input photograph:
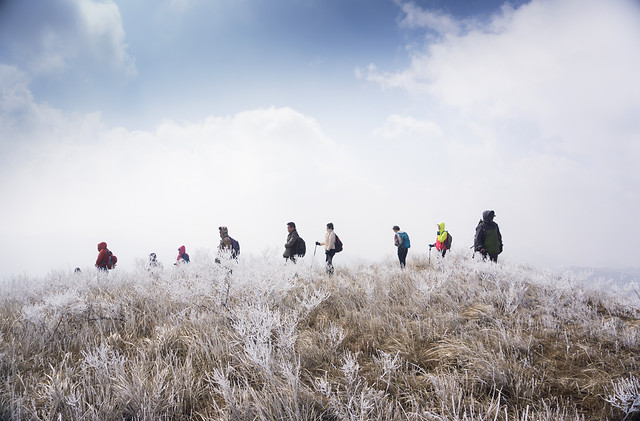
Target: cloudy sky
(148, 124)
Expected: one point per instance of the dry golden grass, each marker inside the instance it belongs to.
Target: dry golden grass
(456, 340)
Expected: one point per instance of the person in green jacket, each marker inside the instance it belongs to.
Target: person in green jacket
(488, 240)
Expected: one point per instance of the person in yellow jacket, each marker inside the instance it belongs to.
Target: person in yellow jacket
(441, 238)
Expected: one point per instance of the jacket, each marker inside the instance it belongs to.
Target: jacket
(488, 235)
(182, 255)
(103, 256)
(329, 240)
(290, 245)
(441, 237)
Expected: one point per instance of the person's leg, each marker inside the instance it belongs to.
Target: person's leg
(402, 256)
(493, 258)
(329, 260)
(444, 251)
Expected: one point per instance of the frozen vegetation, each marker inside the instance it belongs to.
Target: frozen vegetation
(459, 339)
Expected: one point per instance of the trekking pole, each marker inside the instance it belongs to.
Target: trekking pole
(430, 254)
(314, 254)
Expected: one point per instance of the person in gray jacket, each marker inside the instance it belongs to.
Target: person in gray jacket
(290, 245)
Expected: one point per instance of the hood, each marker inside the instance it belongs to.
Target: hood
(182, 249)
(441, 226)
(488, 215)
(102, 246)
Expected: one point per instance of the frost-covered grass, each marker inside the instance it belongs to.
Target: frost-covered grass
(457, 340)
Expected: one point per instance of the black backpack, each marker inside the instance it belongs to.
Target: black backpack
(338, 248)
(112, 261)
(301, 247)
(447, 242)
(235, 248)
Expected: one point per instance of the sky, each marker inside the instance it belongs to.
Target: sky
(148, 124)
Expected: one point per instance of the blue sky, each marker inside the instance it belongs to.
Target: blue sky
(148, 124)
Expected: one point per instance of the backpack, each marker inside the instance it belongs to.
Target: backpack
(185, 257)
(447, 241)
(404, 237)
(338, 248)
(301, 247)
(235, 248)
(112, 261)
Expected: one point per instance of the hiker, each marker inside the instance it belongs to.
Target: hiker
(441, 239)
(488, 240)
(329, 247)
(183, 257)
(401, 240)
(153, 262)
(106, 260)
(290, 247)
(228, 247)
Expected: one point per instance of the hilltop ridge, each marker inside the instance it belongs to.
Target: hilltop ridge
(454, 339)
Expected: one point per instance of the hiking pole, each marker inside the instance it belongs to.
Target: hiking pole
(430, 254)
(314, 254)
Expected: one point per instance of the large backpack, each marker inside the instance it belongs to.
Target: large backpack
(338, 245)
(235, 248)
(491, 241)
(112, 261)
(301, 247)
(447, 241)
(404, 237)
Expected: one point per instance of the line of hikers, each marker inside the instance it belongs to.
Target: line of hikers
(487, 241)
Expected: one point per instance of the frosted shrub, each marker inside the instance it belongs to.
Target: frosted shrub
(459, 339)
(626, 395)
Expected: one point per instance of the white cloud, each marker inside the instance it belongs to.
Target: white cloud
(539, 106)
(416, 17)
(45, 37)
(79, 182)
(404, 126)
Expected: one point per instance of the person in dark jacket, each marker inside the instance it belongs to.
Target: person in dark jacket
(290, 246)
(153, 262)
(226, 248)
(488, 240)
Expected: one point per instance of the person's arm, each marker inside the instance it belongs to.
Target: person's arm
(292, 240)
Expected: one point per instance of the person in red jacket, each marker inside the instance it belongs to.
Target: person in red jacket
(102, 262)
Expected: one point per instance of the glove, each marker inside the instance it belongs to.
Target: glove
(431, 245)
(317, 243)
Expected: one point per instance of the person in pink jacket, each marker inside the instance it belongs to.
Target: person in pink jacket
(183, 257)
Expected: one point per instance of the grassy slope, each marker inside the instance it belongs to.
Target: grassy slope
(458, 340)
